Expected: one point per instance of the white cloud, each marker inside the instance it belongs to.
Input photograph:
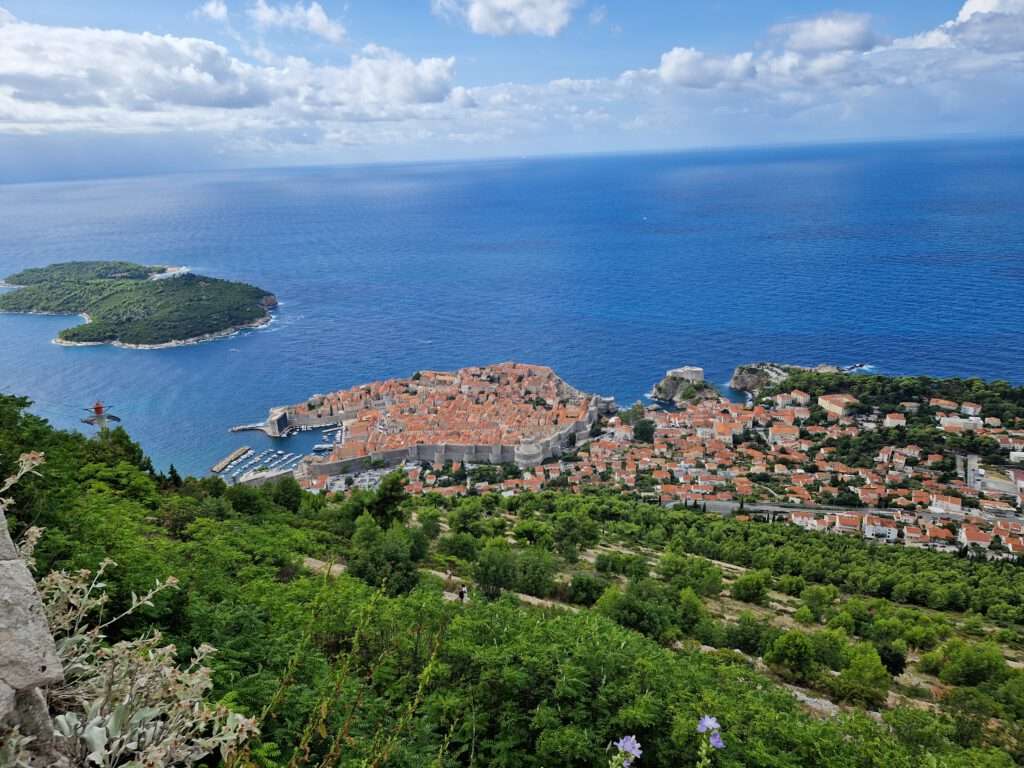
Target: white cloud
(835, 32)
(510, 17)
(983, 25)
(972, 7)
(462, 98)
(598, 15)
(693, 69)
(213, 9)
(814, 79)
(113, 81)
(991, 32)
(379, 78)
(311, 18)
(833, 76)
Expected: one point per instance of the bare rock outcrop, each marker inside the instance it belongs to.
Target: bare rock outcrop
(753, 377)
(683, 385)
(28, 657)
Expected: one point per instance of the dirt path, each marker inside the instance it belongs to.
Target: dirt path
(455, 582)
(319, 566)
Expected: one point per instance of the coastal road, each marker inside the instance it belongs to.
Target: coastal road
(730, 507)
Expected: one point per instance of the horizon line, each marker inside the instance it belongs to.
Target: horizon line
(965, 139)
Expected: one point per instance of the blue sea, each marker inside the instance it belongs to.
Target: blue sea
(610, 269)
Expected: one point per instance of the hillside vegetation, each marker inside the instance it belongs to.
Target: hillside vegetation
(376, 667)
(124, 305)
(997, 398)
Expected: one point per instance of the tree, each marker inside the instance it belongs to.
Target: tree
(919, 729)
(467, 517)
(793, 655)
(586, 588)
(460, 545)
(534, 531)
(893, 654)
(818, 598)
(646, 605)
(574, 530)
(535, 571)
(643, 431)
(495, 569)
(792, 585)
(382, 559)
(752, 586)
(751, 635)
(1011, 694)
(803, 615)
(970, 710)
(844, 621)
(962, 663)
(386, 506)
(864, 680)
(703, 576)
(288, 493)
(830, 647)
(430, 522)
(177, 512)
(691, 610)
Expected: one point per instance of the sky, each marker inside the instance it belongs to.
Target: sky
(109, 88)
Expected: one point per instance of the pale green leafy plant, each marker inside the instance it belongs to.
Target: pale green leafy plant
(129, 704)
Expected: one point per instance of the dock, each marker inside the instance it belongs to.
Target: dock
(261, 427)
(221, 465)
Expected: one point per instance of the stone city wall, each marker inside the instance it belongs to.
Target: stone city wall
(526, 454)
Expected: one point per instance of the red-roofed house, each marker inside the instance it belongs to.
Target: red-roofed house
(973, 535)
(842, 523)
(946, 505)
(837, 405)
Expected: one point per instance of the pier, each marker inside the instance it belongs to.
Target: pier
(261, 427)
(223, 464)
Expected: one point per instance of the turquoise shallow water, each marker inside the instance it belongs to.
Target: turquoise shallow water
(610, 269)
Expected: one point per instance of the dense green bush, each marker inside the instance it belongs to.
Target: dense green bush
(695, 572)
(962, 663)
(586, 588)
(752, 587)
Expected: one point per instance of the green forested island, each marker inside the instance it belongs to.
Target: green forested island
(590, 617)
(135, 305)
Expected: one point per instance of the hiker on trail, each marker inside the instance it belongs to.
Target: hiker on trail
(462, 593)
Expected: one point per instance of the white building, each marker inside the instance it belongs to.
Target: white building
(880, 528)
(690, 373)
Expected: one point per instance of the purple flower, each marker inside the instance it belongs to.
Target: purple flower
(715, 740)
(707, 723)
(630, 746)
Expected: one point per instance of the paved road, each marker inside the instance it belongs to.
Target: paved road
(728, 507)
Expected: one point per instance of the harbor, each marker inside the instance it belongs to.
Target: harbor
(249, 466)
(253, 466)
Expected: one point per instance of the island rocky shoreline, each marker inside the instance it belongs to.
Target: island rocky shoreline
(226, 333)
(134, 306)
